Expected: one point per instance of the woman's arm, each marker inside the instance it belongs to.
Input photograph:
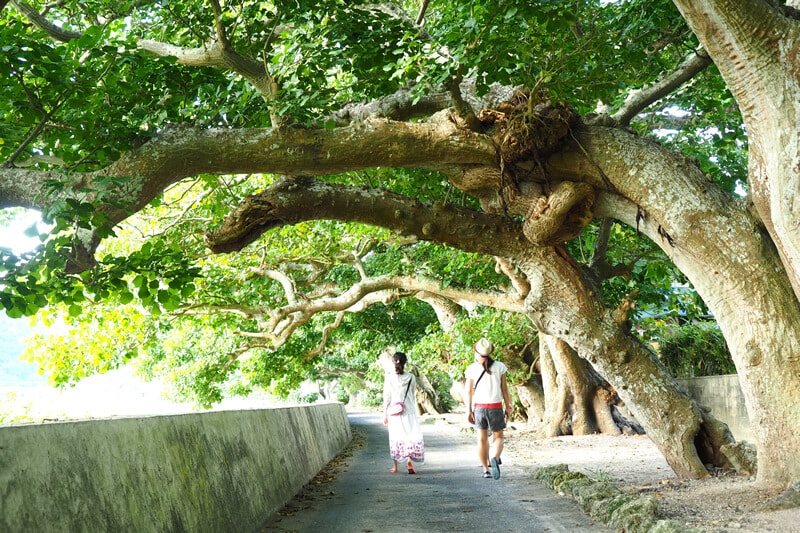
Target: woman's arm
(506, 396)
(387, 398)
(470, 386)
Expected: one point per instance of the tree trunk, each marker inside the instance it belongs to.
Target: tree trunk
(583, 385)
(583, 403)
(557, 420)
(531, 397)
(737, 272)
(757, 302)
(572, 312)
(427, 399)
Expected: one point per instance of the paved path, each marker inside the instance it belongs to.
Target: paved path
(446, 494)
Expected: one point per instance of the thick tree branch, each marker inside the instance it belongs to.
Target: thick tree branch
(463, 110)
(292, 200)
(178, 153)
(216, 54)
(281, 277)
(401, 105)
(446, 310)
(754, 45)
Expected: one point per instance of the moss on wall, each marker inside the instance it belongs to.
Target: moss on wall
(220, 471)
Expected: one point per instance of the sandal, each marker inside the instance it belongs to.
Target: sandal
(411, 470)
(393, 470)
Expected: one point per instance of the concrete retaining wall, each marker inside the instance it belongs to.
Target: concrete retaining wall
(723, 397)
(211, 472)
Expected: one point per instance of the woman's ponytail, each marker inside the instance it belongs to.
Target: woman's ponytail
(399, 359)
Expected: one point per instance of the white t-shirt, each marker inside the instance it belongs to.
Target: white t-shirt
(489, 389)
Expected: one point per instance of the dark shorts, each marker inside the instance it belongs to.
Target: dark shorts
(492, 419)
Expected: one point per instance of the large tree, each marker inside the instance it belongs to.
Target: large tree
(106, 105)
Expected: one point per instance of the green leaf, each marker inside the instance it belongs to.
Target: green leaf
(125, 297)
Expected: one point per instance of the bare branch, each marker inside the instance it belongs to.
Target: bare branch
(359, 265)
(325, 333)
(286, 282)
(393, 10)
(36, 159)
(219, 54)
(222, 37)
(285, 320)
(639, 100)
(421, 13)
(518, 279)
(182, 216)
(55, 32)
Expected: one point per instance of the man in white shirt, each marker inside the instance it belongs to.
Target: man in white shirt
(486, 391)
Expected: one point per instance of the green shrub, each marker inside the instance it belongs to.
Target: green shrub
(372, 398)
(342, 396)
(310, 397)
(694, 350)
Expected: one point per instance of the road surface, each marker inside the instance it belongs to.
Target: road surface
(446, 494)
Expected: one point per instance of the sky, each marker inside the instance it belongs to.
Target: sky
(13, 235)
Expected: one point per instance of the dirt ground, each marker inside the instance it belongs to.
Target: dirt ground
(720, 503)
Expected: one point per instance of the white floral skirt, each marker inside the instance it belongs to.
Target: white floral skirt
(405, 438)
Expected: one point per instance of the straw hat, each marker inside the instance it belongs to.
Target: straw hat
(484, 348)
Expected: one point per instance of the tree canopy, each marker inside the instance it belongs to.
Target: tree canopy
(513, 155)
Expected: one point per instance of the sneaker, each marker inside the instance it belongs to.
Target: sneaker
(487, 475)
(495, 468)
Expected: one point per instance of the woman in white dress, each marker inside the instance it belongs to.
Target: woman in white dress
(405, 433)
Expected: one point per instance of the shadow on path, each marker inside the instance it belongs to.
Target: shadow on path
(358, 493)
